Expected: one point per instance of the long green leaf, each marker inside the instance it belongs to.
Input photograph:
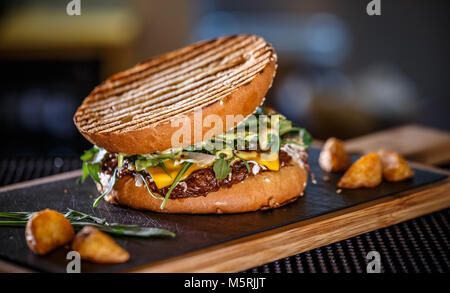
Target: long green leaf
(16, 223)
(85, 173)
(109, 188)
(161, 164)
(128, 230)
(175, 182)
(244, 161)
(80, 219)
(148, 187)
(93, 170)
(16, 215)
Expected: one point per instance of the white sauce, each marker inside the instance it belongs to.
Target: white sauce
(138, 181)
(256, 167)
(183, 184)
(295, 152)
(104, 178)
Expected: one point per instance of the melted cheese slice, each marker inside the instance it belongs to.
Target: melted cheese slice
(162, 179)
(270, 160)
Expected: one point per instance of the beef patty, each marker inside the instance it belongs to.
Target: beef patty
(198, 183)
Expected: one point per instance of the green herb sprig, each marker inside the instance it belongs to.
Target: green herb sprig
(79, 219)
(148, 187)
(180, 174)
(221, 167)
(109, 188)
(91, 163)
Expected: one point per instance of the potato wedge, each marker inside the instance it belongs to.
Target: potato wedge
(96, 246)
(365, 172)
(334, 156)
(395, 167)
(47, 230)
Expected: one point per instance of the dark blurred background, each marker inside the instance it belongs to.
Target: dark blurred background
(341, 72)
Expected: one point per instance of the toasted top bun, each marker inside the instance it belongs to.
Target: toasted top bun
(131, 112)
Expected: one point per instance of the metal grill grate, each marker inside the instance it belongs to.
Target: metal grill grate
(418, 245)
(13, 170)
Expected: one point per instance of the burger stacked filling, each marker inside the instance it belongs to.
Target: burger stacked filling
(266, 141)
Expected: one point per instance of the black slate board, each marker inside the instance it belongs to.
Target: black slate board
(193, 231)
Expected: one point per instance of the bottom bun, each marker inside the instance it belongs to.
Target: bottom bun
(263, 191)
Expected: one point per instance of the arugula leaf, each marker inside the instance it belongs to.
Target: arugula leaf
(247, 166)
(306, 137)
(89, 154)
(148, 187)
(93, 170)
(161, 164)
(111, 183)
(285, 126)
(94, 155)
(91, 163)
(85, 174)
(244, 161)
(221, 167)
(180, 174)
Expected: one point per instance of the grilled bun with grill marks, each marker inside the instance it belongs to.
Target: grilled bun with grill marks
(263, 191)
(131, 112)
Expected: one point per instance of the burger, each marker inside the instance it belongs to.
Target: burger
(186, 132)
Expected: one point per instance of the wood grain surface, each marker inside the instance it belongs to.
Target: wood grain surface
(417, 143)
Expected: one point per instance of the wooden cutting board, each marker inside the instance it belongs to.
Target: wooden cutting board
(224, 243)
(415, 142)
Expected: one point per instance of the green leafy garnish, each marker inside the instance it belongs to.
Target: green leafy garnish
(85, 174)
(161, 164)
(306, 137)
(89, 154)
(180, 174)
(91, 163)
(148, 187)
(80, 219)
(244, 161)
(221, 167)
(247, 166)
(93, 170)
(111, 183)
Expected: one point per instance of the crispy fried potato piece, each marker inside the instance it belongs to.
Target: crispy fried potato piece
(334, 156)
(395, 167)
(365, 172)
(47, 230)
(96, 246)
